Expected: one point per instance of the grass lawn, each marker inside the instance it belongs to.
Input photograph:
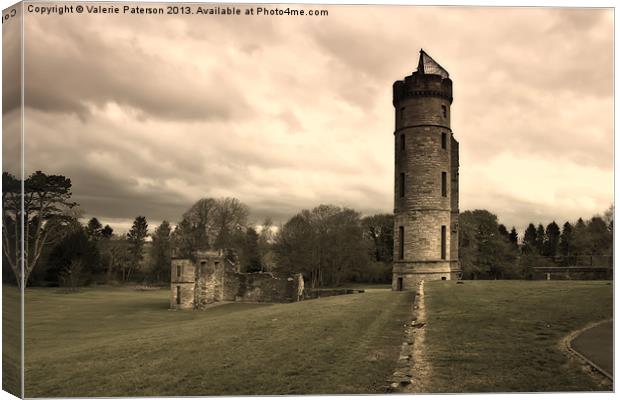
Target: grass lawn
(503, 336)
(11, 339)
(121, 342)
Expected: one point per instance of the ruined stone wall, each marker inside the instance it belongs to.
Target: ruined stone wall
(213, 279)
(263, 287)
(209, 283)
(260, 287)
(182, 284)
(231, 282)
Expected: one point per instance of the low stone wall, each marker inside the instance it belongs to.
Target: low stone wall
(316, 293)
(265, 287)
(572, 273)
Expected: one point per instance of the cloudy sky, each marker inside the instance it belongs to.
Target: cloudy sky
(147, 114)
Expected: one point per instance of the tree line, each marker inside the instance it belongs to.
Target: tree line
(489, 251)
(328, 244)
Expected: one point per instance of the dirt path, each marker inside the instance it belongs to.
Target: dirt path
(421, 369)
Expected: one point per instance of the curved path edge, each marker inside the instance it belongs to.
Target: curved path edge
(566, 343)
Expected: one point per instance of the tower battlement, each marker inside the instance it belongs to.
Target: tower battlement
(422, 85)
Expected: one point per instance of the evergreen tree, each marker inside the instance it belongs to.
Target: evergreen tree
(106, 232)
(566, 246)
(94, 229)
(529, 239)
(501, 228)
(552, 238)
(600, 240)
(513, 237)
(580, 238)
(46, 211)
(136, 238)
(161, 251)
(540, 239)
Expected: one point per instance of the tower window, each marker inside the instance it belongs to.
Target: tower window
(444, 189)
(402, 141)
(444, 140)
(178, 294)
(444, 111)
(402, 114)
(401, 184)
(178, 271)
(401, 242)
(443, 242)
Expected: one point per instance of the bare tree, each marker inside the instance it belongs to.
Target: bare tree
(210, 224)
(230, 219)
(327, 244)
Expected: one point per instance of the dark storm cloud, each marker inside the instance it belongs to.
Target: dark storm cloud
(85, 67)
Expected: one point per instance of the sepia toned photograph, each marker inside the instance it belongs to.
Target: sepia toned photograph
(212, 199)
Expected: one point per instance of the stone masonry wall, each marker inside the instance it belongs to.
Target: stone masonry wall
(182, 278)
(454, 198)
(212, 279)
(424, 150)
(263, 287)
(422, 161)
(422, 234)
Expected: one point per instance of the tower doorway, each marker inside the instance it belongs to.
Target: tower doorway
(399, 284)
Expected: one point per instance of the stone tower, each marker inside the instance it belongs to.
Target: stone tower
(426, 197)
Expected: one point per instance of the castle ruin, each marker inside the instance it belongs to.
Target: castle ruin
(211, 278)
(426, 193)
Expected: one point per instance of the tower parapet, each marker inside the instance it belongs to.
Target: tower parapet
(422, 85)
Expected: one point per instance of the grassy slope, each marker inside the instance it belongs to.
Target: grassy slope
(119, 342)
(504, 335)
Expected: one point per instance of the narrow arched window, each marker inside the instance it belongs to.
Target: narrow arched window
(444, 184)
(401, 242)
(443, 242)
